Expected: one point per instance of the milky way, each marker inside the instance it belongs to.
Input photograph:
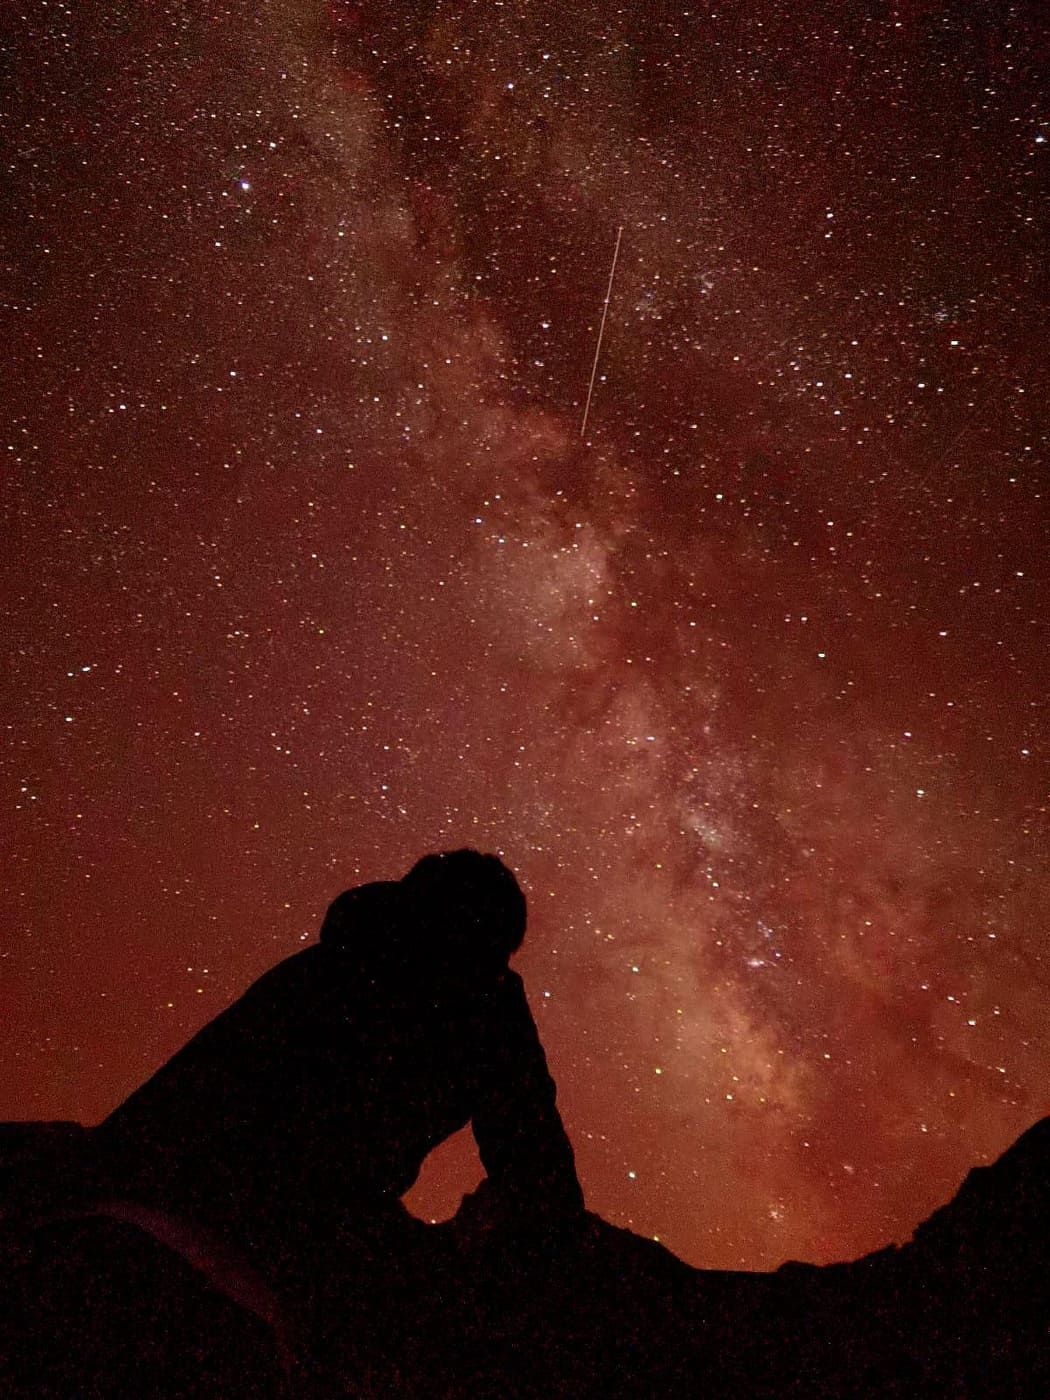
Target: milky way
(307, 568)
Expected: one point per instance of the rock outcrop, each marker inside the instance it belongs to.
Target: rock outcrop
(97, 1304)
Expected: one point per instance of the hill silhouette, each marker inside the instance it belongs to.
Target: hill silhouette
(111, 1303)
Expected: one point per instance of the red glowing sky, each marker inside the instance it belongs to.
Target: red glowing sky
(307, 571)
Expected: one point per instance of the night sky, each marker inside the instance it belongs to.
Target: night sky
(307, 570)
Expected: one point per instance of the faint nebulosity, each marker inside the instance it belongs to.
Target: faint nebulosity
(306, 568)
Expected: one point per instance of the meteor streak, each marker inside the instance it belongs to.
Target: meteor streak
(601, 331)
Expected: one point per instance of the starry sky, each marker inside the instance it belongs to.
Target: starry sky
(307, 567)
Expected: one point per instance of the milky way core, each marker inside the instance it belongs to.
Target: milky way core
(307, 570)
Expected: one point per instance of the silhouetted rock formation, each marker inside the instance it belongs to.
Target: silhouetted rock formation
(308, 1106)
(97, 1306)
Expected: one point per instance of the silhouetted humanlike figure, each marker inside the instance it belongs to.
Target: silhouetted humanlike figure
(308, 1107)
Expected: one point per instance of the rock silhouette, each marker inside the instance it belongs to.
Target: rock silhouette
(276, 1145)
(98, 1306)
(310, 1104)
(234, 1228)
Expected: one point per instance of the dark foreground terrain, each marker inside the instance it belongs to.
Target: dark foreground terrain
(98, 1305)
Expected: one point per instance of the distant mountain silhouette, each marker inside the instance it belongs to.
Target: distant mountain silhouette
(117, 1303)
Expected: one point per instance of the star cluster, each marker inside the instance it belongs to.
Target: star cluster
(308, 568)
